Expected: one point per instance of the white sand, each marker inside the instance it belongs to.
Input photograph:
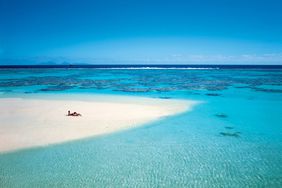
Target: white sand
(33, 122)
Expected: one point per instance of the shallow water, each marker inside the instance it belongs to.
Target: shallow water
(233, 139)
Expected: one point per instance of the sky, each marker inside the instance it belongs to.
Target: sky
(141, 31)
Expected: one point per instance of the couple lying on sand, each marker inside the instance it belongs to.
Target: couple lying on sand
(73, 114)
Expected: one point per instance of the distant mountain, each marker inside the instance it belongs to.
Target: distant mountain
(38, 61)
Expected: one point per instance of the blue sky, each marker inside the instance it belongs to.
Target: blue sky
(142, 31)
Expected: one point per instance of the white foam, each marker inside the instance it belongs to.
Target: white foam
(177, 68)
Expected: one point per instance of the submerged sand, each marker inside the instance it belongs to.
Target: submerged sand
(33, 122)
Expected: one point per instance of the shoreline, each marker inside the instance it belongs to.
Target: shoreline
(37, 121)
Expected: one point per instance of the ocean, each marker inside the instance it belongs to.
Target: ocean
(232, 139)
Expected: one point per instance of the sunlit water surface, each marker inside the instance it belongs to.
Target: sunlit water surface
(232, 139)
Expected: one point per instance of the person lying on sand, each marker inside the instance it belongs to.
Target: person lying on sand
(73, 114)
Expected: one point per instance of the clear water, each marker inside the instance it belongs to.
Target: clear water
(233, 139)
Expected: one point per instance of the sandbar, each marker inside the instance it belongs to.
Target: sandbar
(41, 121)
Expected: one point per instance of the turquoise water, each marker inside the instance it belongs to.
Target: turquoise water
(233, 139)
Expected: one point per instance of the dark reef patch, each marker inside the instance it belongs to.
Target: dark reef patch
(234, 134)
(221, 115)
(213, 94)
(192, 81)
(165, 97)
(267, 90)
(141, 90)
(57, 88)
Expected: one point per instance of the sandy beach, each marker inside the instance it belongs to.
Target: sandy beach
(34, 122)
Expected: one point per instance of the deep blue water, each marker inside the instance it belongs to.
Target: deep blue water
(233, 139)
(146, 66)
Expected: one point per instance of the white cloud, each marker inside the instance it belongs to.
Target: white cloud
(270, 58)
